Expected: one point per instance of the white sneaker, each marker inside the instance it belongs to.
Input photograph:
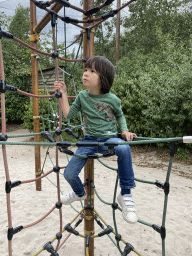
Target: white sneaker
(71, 197)
(128, 208)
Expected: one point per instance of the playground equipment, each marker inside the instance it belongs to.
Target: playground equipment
(88, 213)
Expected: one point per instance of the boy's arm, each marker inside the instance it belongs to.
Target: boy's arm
(61, 87)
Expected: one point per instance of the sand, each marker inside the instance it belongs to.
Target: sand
(28, 205)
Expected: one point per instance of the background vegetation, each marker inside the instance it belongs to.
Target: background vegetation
(153, 77)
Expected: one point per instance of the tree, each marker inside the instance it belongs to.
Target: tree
(16, 62)
(149, 17)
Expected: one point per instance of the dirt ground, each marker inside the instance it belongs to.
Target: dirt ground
(149, 163)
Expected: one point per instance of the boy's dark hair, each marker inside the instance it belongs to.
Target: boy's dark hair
(105, 69)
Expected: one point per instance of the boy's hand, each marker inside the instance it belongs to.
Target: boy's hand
(60, 87)
(128, 135)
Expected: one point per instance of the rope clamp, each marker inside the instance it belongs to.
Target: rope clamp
(128, 249)
(89, 233)
(107, 231)
(71, 230)
(9, 185)
(48, 247)
(89, 218)
(3, 137)
(2, 86)
(34, 37)
(13, 231)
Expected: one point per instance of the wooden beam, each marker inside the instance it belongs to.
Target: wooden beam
(36, 122)
(46, 19)
(88, 51)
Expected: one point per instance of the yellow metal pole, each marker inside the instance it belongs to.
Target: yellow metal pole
(88, 51)
(36, 121)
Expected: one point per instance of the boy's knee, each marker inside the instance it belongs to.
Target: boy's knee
(122, 149)
(67, 175)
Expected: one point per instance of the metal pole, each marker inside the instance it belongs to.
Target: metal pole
(88, 51)
(34, 66)
(118, 31)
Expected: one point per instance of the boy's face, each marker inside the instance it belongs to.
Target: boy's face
(91, 80)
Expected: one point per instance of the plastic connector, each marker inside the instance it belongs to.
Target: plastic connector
(2, 86)
(58, 236)
(172, 149)
(69, 20)
(9, 185)
(114, 206)
(118, 237)
(58, 132)
(71, 230)
(92, 156)
(85, 60)
(92, 11)
(58, 205)
(78, 222)
(111, 13)
(5, 34)
(11, 88)
(107, 231)
(55, 55)
(108, 2)
(88, 31)
(63, 2)
(88, 237)
(53, 23)
(89, 207)
(87, 144)
(47, 136)
(3, 137)
(58, 95)
(12, 231)
(56, 169)
(109, 154)
(99, 222)
(128, 249)
(48, 247)
(160, 230)
(64, 144)
(42, 5)
(70, 132)
(165, 186)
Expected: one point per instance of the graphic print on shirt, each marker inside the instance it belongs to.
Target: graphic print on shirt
(109, 115)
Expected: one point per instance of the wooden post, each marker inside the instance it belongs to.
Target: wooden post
(118, 31)
(88, 51)
(36, 121)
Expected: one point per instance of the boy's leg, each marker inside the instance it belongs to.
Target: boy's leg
(126, 177)
(125, 168)
(71, 174)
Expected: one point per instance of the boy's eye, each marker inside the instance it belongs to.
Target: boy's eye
(93, 70)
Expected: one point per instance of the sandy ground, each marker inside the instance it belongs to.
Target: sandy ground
(28, 205)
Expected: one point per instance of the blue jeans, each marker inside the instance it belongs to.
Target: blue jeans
(124, 160)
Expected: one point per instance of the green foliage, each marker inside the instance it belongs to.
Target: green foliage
(148, 17)
(16, 62)
(156, 91)
(48, 109)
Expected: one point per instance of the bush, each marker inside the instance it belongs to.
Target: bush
(156, 92)
(15, 103)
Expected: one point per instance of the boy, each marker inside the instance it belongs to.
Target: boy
(102, 110)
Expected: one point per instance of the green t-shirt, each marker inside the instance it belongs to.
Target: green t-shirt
(100, 113)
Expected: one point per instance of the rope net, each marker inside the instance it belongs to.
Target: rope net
(123, 246)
